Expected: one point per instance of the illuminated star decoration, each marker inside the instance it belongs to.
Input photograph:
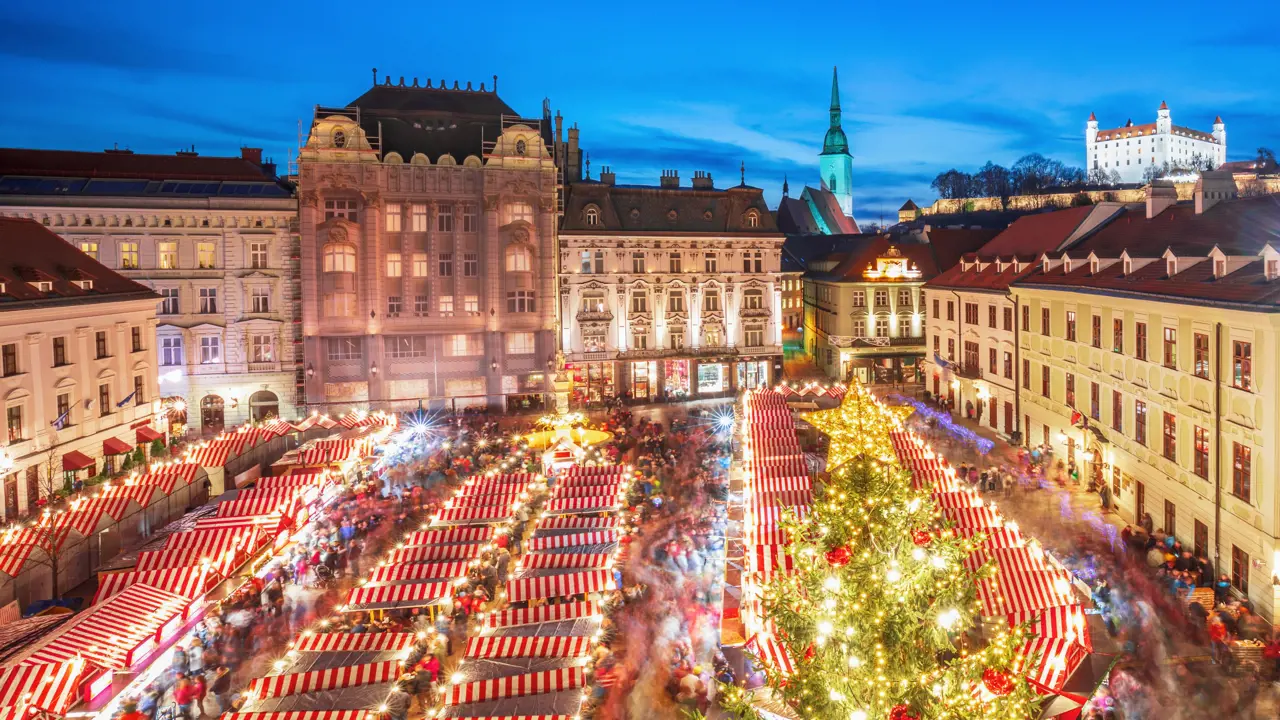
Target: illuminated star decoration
(858, 426)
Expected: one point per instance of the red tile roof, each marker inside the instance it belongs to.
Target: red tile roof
(1237, 227)
(31, 252)
(70, 163)
(949, 244)
(1130, 131)
(855, 263)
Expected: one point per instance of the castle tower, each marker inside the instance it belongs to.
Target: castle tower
(1164, 123)
(1220, 133)
(1090, 139)
(835, 162)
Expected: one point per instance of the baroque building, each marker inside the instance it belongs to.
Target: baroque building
(668, 291)
(1131, 149)
(77, 365)
(427, 219)
(214, 236)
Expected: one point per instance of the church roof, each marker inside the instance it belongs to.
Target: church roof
(828, 208)
(908, 205)
(794, 217)
(1164, 105)
(835, 142)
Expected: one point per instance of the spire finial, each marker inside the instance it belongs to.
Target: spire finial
(375, 76)
(742, 169)
(586, 157)
(835, 90)
(785, 188)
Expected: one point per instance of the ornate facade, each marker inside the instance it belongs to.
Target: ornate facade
(427, 219)
(1129, 151)
(668, 291)
(214, 236)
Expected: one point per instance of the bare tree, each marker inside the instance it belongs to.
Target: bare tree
(1265, 162)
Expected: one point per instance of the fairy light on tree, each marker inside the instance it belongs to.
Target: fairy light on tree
(875, 613)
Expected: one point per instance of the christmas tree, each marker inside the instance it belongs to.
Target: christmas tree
(877, 610)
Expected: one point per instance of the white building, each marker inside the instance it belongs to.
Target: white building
(1131, 149)
(77, 365)
(668, 291)
(213, 235)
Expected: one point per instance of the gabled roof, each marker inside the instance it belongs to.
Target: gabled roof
(826, 206)
(908, 205)
(1238, 228)
(950, 243)
(855, 262)
(794, 218)
(119, 164)
(30, 252)
(803, 249)
(1026, 239)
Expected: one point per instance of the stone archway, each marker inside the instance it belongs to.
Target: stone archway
(264, 405)
(212, 417)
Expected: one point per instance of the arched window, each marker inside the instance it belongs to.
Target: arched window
(752, 219)
(339, 258)
(521, 148)
(591, 215)
(264, 405)
(753, 300)
(514, 211)
(212, 419)
(519, 259)
(339, 139)
(831, 184)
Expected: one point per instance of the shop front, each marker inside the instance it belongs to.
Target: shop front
(753, 374)
(591, 382)
(529, 394)
(713, 378)
(676, 379)
(644, 380)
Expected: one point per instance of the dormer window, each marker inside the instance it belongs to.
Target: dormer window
(1128, 266)
(4, 289)
(1066, 265)
(42, 286)
(591, 215)
(1046, 266)
(521, 148)
(1093, 266)
(84, 284)
(1171, 267)
(339, 139)
(1219, 268)
(1272, 270)
(752, 219)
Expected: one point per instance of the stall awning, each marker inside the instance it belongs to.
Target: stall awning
(145, 434)
(115, 446)
(76, 460)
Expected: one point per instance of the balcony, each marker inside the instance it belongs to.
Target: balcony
(646, 353)
(970, 372)
(264, 367)
(875, 342)
(754, 312)
(714, 350)
(588, 315)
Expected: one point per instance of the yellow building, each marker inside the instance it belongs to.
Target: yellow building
(1145, 333)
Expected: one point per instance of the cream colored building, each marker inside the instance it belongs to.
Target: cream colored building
(972, 358)
(428, 219)
(214, 236)
(77, 365)
(1175, 414)
(667, 291)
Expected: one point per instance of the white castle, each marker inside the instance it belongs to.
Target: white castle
(1131, 149)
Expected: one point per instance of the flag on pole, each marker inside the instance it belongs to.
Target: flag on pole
(126, 399)
(62, 420)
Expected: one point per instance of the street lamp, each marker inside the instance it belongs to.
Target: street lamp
(493, 364)
(373, 368)
(311, 370)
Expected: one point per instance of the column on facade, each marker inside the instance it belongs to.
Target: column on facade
(660, 331)
(732, 321)
(622, 315)
(491, 245)
(774, 328)
(695, 315)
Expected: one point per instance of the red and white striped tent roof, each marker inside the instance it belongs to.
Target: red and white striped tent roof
(214, 540)
(592, 470)
(523, 478)
(277, 427)
(307, 423)
(960, 499)
(487, 513)
(449, 535)
(778, 484)
(18, 544)
(535, 683)
(563, 561)
(384, 574)
(327, 454)
(1066, 622)
(261, 502)
(223, 562)
(479, 500)
(773, 515)
(211, 455)
(308, 641)
(974, 517)
(515, 617)
(144, 495)
(552, 542)
(564, 491)
(558, 646)
(191, 581)
(86, 516)
(549, 586)
(766, 535)
(167, 479)
(331, 679)
(268, 525)
(298, 715)
(1055, 660)
(582, 481)
(407, 595)
(769, 560)
(993, 537)
(427, 553)
(108, 634)
(280, 482)
(570, 504)
(772, 653)
(577, 522)
(50, 687)
(1011, 592)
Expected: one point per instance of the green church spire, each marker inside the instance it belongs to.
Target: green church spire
(835, 142)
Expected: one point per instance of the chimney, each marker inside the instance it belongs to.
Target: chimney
(1160, 195)
(188, 153)
(607, 177)
(702, 180)
(253, 155)
(670, 179)
(1213, 187)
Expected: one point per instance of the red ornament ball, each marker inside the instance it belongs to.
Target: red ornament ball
(998, 683)
(838, 557)
(902, 712)
(809, 653)
(921, 537)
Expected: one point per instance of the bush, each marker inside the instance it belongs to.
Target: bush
(157, 447)
(139, 456)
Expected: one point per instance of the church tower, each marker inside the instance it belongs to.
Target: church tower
(835, 161)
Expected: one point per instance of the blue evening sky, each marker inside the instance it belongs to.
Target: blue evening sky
(688, 85)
